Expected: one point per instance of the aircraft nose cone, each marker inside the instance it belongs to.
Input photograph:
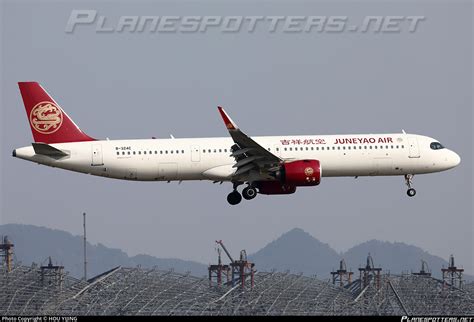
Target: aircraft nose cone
(456, 159)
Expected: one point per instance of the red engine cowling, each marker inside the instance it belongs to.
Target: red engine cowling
(274, 188)
(301, 173)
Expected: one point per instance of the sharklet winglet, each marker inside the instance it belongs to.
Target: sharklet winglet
(230, 125)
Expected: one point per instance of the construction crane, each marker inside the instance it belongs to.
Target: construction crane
(241, 269)
(219, 242)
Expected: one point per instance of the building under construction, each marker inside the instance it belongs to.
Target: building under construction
(237, 288)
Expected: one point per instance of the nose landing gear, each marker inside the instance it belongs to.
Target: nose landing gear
(408, 181)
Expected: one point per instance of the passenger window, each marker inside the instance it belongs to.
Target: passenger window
(171, 151)
(209, 150)
(134, 152)
(277, 149)
(220, 150)
(166, 151)
(370, 147)
(118, 153)
(128, 153)
(403, 146)
(182, 151)
(333, 148)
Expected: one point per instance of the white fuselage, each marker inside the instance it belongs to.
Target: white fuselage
(209, 158)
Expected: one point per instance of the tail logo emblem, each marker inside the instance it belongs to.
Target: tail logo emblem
(46, 117)
(309, 171)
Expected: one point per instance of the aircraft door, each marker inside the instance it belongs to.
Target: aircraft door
(97, 157)
(414, 150)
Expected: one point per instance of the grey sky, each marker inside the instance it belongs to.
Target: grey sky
(124, 85)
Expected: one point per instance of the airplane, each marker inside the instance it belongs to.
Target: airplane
(268, 165)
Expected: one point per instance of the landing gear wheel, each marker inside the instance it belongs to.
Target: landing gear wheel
(234, 197)
(411, 192)
(249, 193)
(408, 181)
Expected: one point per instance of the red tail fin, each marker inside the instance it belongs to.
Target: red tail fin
(49, 123)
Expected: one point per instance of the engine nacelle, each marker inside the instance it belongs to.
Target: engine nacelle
(274, 188)
(301, 173)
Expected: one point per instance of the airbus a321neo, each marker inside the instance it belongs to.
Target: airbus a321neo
(270, 165)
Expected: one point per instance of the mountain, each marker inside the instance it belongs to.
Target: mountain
(35, 244)
(396, 257)
(297, 251)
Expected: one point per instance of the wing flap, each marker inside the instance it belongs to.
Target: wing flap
(246, 161)
(244, 169)
(240, 152)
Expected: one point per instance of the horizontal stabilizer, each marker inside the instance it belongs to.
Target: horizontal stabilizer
(48, 150)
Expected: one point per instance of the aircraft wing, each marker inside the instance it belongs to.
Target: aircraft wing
(253, 162)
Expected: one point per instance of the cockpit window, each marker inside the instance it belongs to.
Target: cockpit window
(436, 146)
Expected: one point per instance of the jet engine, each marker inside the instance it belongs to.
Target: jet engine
(291, 175)
(300, 173)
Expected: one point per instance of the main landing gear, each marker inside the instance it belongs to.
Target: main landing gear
(234, 197)
(408, 181)
(248, 193)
